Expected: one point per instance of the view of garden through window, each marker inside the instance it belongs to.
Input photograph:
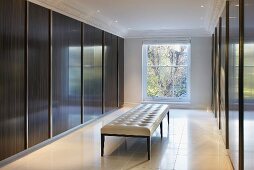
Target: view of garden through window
(167, 71)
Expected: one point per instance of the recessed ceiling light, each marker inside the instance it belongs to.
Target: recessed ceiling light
(116, 21)
(98, 11)
(202, 6)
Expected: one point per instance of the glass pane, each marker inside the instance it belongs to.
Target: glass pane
(167, 54)
(159, 82)
(167, 82)
(180, 81)
(180, 54)
(160, 55)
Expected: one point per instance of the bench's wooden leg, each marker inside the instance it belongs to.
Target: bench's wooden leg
(168, 117)
(161, 128)
(102, 144)
(148, 144)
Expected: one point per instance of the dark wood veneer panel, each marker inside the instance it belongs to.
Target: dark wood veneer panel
(38, 74)
(66, 73)
(246, 69)
(12, 77)
(223, 75)
(121, 71)
(219, 70)
(110, 72)
(92, 72)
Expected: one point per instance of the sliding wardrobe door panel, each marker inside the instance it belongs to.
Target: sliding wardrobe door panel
(38, 74)
(110, 72)
(248, 85)
(66, 73)
(114, 67)
(12, 77)
(212, 74)
(92, 72)
(215, 73)
(217, 64)
(121, 71)
(222, 76)
(233, 75)
(219, 72)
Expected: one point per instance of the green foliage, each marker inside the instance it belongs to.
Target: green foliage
(152, 88)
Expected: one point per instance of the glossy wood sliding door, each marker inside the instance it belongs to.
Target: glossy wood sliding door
(92, 72)
(224, 74)
(110, 72)
(121, 71)
(12, 77)
(215, 73)
(219, 32)
(233, 87)
(66, 73)
(38, 74)
(248, 85)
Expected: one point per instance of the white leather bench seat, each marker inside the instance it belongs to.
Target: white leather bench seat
(139, 121)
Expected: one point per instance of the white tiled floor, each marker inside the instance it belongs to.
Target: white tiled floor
(192, 142)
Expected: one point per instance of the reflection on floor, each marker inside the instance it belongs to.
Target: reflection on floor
(248, 140)
(234, 136)
(192, 142)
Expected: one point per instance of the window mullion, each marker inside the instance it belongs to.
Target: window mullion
(173, 76)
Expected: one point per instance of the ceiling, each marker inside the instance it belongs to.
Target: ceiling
(143, 18)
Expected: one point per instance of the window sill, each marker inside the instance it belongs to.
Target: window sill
(166, 102)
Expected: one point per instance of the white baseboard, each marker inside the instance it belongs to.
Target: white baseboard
(130, 104)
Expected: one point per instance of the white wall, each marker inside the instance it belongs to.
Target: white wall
(200, 73)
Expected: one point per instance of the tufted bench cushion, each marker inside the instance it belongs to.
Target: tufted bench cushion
(140, 121)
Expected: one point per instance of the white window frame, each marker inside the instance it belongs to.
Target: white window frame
(146, 98)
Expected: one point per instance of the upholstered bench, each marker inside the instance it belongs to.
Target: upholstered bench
(140, 121)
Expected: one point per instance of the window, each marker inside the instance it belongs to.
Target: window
(166, 71)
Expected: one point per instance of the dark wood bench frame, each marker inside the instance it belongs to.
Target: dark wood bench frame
(148, 138)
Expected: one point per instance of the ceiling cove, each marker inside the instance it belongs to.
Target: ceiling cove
(134, 19)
